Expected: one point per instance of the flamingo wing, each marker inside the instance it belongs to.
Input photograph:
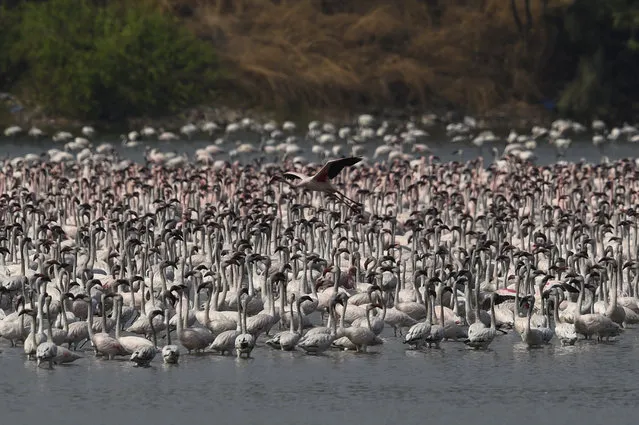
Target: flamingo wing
(506, 293)
(334, 167)
(293, 175)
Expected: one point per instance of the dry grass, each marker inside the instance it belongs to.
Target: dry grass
(330, 53)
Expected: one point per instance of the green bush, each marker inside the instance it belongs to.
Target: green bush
(10, 67)
(113, 61)
(602, 35)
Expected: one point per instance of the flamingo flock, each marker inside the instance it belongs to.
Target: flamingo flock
(401, 139)
(101, 256)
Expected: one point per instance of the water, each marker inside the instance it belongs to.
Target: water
(586, 384)
(589, 383)
(580, 149)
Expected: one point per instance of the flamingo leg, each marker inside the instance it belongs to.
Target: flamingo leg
(341, 199)
(350, 200)
(354, 206)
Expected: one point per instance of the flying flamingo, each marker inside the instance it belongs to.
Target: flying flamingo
(319, 182)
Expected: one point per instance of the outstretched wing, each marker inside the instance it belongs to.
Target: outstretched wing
(334, 167)
(293, 175)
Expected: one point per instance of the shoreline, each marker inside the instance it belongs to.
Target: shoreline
(506, 117)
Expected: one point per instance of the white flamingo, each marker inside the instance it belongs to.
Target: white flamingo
(532, 337)
(417, 334)
(225, 341)
(244, 342)
(102, 342)
(479, 335)
(142, 356)
(170, 352)
(319, 341)
(319, 182)
(131, 343)
(287, 340)
(566, 332)
(361, 337)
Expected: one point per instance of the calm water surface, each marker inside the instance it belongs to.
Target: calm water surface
(586, 384)
(580, 149)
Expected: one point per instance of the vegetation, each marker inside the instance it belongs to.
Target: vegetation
(99, 59)
(603, 38)
(107, 62)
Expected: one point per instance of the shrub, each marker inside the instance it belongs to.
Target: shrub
(10, 68)
(603, 38)
(112, 61)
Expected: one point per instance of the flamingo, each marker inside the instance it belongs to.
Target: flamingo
(319, 182)
(419, 332)
(320, 341)
(532, 337)
(143, 355)
(170, 352)
(361, 337)
(12, 326)
(566, 332)
(287, 340)
(480, 336)
(131, 343)
(48, 350)
(102, 342)
(225, 341)
(591, 324)
(244, 342)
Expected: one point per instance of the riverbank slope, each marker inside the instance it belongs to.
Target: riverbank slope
(499, 59)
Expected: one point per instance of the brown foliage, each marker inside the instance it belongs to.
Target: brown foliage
(323, 53)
